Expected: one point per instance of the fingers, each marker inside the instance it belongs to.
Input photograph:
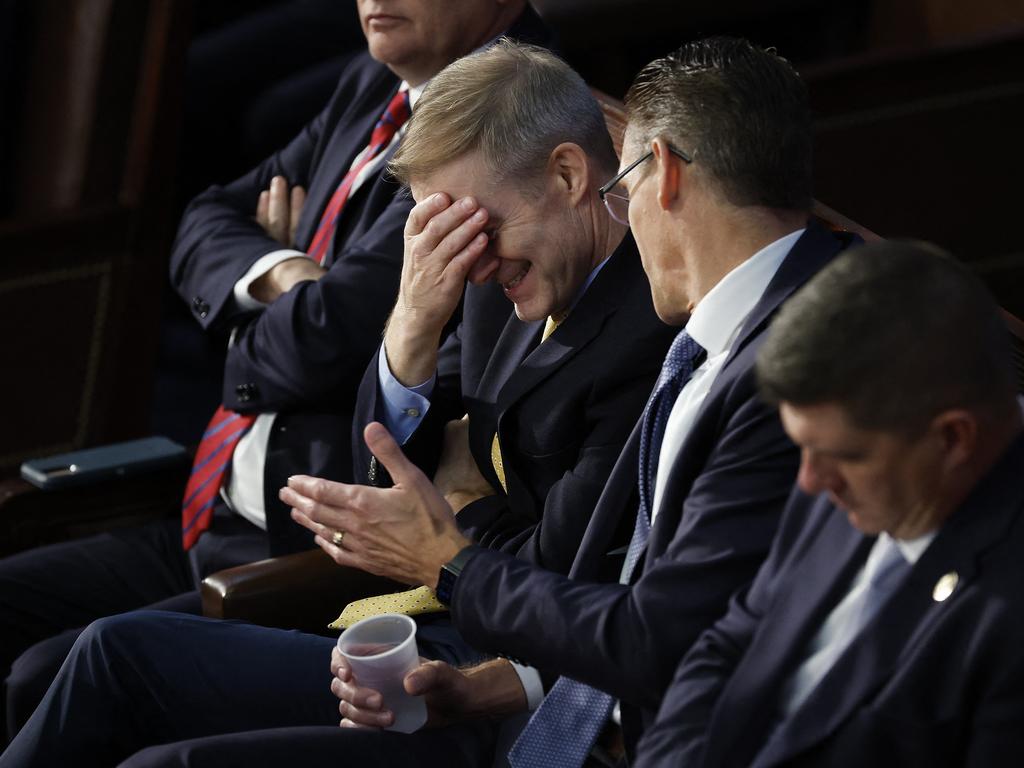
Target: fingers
(452, 233)
(298, 199)
(263, 209)
(383, 446)
(339, 666)
(360, 707)
(278, 210)
(306, 490)
(454, 237)
(428, 678)
(423, 212)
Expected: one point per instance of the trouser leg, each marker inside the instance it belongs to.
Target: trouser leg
(149, 677)
(468, 745)
(34, 671)
(48, 594)
(47, 590)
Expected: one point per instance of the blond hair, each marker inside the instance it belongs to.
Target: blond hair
(512, 102)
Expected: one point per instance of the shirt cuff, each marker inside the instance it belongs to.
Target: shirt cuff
(532, 685)
(404, 407)
(264, 264)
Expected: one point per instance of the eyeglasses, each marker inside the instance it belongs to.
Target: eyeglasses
(618, 204)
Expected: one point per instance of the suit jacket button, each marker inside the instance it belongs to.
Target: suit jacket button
(246, 392)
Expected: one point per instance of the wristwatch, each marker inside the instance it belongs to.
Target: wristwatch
(450, 572)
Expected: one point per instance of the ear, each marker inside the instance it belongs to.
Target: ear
(957, 433)
(670, 174)
(569, 170)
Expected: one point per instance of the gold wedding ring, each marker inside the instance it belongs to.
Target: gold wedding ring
(337, 537)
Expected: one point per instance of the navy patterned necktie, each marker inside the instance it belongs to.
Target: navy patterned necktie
(566, 725)
(675, 372)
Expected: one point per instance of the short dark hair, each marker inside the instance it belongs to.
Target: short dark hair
(894, 333)
(740, 110)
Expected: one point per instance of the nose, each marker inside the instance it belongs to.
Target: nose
(817, 474)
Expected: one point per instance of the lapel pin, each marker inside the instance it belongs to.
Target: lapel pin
(944, 586)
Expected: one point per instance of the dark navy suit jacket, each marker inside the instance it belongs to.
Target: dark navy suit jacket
(721, 507)
(304, 355)
(928, 683)
(562, 410)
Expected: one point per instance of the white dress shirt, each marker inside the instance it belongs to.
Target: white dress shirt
(243, 491)
(840, 628)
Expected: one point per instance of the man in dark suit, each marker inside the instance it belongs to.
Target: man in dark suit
(566, 402)
(307, 295)
(716, 170)
(551, 372)
(885, 628)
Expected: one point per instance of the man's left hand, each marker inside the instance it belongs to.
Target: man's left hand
(405, 533)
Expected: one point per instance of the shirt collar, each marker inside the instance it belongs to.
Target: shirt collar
(717, 318)
(911, 549)
(414, 93)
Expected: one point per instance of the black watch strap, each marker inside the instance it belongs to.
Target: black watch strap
(450, 572)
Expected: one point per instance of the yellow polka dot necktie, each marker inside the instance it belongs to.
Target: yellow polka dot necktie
(412, 602)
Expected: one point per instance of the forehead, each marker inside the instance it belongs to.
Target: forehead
(468, 176)
(821, 426)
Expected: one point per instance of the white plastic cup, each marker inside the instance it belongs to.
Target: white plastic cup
(381, 651)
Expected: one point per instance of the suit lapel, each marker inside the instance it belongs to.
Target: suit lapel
(751, 696)
(341, 149)
(582, 326)
(906, 621)
(619, 498)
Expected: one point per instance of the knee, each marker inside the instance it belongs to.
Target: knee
(31, 675)
(115, 638)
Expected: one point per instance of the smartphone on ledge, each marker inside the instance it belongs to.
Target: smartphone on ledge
(104, 462)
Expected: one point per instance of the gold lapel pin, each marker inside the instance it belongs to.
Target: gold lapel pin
(945, 586)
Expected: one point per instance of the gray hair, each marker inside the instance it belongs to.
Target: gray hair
(739, 110)
(512, 102)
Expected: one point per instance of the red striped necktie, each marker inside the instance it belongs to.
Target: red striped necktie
(208, 470)
(213, 459)
(384, 131)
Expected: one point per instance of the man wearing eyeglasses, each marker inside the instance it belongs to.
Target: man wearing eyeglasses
(715, 183)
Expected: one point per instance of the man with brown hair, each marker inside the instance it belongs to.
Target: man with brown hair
(885, 628)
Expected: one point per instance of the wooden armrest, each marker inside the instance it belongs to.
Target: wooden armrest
(303, 591)
(30, 517)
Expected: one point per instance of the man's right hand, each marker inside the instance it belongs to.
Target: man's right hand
(443, 241)
(452, 695)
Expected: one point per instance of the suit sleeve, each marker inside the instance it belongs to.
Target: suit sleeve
(996, 736)
(219, 239)
(423, 446)
(552, 539)
(628, 640)
(309, 347)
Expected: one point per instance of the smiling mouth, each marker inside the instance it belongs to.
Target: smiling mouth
(511, 284)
